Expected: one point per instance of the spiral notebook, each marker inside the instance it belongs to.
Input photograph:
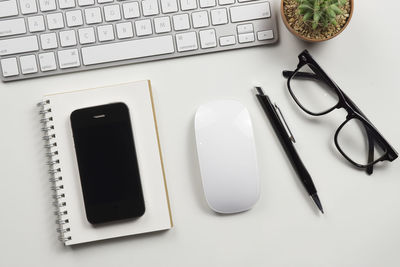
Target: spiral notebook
(55, 112)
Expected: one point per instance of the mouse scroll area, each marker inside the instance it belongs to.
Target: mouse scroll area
(227, 156)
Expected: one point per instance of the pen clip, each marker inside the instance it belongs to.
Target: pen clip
(280, 114)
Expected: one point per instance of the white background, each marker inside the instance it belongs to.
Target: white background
(361, 226)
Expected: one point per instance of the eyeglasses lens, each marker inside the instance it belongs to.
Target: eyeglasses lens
(353, 140)
(311, 92)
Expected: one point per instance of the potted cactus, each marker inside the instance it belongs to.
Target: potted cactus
(316, 20)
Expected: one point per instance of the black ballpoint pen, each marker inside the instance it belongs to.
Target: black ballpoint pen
(287, 143)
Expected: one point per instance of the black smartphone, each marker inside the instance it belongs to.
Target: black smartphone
(107, 162)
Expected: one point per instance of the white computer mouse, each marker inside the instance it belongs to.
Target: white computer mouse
(227, 156)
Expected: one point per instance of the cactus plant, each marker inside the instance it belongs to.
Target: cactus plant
(320, 12)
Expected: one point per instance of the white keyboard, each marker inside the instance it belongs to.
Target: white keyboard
(46, 37)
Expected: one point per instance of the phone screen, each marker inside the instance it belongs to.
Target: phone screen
(107, 162)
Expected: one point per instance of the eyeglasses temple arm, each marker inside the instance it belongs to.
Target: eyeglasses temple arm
(371, 148)
(288, 73)
(299, 74)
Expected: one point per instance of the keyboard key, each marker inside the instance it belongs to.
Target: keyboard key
(66, 3)
(48, 41)
(188, 4)
(246, 37)
(265, 35)
(18, 45)
(112, 13)
(131, 10)
(55, 21)
(227, 40)
(12, 27)
(105, 33)
(219, 16)
(208, 38)
(207, 3)
(250, 12)
(47, 61)
(67, 38)
(28, 6)
(85, 2)
(104, 1)
(143, 27)
(162, 25)
(128, 50)
(86, 36)
(124, 30)
(181, 22)
(150, 7)
(28, 64)
(200, 19)
(36, 24)
(68, 58)
(169, 6)
(9, 67)
(245, 28)
(8, 8)
(47, 5)
(226, 2)
(186, 41)
(93, 15)
(74, 18)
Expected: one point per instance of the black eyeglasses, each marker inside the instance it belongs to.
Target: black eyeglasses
(357, 139)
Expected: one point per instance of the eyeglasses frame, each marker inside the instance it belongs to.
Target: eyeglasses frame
(353, 112)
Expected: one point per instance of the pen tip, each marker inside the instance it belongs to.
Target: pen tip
(317, 202)
(259, 90)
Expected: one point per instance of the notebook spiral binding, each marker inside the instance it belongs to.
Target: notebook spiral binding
(49, 137)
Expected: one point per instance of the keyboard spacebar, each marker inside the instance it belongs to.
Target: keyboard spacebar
(128, 50)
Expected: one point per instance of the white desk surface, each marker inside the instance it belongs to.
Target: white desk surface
(361, 226)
